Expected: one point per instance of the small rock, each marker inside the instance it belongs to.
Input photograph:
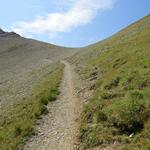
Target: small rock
(131, 135)
(76, 147)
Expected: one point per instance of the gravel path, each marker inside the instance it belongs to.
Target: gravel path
(58, 129)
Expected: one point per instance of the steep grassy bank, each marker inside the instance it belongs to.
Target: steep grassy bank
(18, 121)
(118, 69)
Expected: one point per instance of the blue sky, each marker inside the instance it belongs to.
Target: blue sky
(71, 23)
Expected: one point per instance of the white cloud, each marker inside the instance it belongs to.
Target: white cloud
(80, 13)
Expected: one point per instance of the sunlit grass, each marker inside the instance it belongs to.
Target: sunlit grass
(119, 110)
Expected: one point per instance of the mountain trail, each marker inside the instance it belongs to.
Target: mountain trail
(58, 129)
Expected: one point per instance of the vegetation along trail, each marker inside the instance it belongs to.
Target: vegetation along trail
(57, 130)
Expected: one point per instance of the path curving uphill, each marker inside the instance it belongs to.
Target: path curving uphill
(57, 130)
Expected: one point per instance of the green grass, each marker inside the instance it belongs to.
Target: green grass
(18, 123)
(120, 105)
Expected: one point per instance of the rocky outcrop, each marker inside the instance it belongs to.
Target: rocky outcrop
(1, 31)
(7, 34)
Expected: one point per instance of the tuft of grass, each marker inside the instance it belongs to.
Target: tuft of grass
(51, 96)
(18, 123)
(113, 83)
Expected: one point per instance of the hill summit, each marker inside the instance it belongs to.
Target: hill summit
(8, 34)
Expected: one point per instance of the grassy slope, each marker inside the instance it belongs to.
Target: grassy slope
(119, 69)
(19, 120)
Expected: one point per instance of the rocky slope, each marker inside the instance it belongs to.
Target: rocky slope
(29, 72)
(19, 58)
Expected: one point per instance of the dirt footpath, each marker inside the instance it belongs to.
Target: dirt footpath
(58, 129)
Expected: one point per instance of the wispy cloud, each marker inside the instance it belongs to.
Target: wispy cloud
(81, 12)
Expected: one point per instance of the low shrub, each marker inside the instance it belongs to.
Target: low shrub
(101, 116)
(108, 95)
(131, 114)
(51, 96)
(17, 131)
(112, 84)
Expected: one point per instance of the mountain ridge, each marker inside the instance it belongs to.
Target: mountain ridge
(8, 34)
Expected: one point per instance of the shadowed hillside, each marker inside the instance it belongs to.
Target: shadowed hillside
(117, 69)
